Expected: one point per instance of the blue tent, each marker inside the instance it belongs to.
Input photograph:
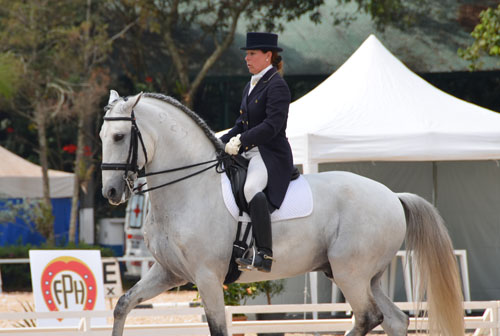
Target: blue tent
(21, 181)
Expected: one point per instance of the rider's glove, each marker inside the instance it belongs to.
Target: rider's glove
(233, 146)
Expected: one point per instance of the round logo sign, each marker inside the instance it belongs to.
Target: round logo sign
(68, 284)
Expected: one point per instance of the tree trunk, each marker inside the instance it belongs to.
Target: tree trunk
(79, 170)
(190, 88)
(46, 225)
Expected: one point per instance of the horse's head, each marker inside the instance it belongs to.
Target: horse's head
(123, 153)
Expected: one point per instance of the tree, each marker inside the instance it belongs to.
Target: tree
(84, 104)
(486, 36)
(83, 48)
(29, 32)
(191, 36)
(59, 44)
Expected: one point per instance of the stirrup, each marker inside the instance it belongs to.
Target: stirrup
(251, 266)
(247, 264)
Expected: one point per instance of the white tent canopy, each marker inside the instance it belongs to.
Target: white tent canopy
(20, 178)
(373, 108)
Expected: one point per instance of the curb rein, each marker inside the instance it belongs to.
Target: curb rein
(131, 164)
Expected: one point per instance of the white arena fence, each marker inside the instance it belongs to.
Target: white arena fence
(486, 324)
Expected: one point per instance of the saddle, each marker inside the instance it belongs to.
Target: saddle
(236, 168)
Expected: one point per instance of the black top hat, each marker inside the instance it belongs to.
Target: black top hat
(262, 41)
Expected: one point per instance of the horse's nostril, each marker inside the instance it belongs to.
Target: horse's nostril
(111, 192)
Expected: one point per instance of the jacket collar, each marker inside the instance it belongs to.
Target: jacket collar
(262, 83)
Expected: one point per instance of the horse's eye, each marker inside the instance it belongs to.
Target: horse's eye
(118, 137)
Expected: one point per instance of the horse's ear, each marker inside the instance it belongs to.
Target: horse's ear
(113, 95)
(137, 100)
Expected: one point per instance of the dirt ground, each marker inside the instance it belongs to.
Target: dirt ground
(12, 302)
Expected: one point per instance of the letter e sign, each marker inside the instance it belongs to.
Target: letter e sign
(111, 278)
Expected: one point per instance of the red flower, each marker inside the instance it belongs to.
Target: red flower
(87, 151)
(70, 149)
(10, 129)
(149, 79)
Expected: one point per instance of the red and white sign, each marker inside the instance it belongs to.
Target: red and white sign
(67, 280)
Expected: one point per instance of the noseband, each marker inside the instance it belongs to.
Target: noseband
(131, 163)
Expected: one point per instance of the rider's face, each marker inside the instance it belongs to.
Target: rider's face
(257, 60)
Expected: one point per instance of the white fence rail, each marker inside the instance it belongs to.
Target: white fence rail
(487, 324)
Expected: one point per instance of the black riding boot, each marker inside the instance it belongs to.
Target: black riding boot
(261, 227)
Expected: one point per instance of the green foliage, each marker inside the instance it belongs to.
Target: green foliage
(238, 293)
(17, 277)
(10, 75)
(270, 288)
(44, 220)
(486, 36)
(383, 12)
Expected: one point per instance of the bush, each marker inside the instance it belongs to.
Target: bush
(238, 293)
(270, 288)
(17, 277)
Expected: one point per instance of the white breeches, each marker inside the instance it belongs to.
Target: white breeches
(256, 175)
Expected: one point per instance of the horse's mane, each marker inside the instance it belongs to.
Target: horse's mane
(196, 118)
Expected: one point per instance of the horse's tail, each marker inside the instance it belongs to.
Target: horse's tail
(428, 239)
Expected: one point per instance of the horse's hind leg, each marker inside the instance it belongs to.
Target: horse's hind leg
(357, 290)
(395, 321)
(156, 281)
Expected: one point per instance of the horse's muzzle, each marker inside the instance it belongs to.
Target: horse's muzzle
(115, 195)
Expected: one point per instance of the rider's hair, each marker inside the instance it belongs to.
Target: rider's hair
(276, 60)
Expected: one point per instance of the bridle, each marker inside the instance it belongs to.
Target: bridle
(135, 137)
(131, 168)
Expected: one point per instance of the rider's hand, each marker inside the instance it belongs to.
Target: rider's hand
(233, 146)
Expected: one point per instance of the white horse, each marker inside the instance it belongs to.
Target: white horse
(353, 233)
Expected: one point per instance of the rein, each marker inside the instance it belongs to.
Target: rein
(131, 163)
(217, 166)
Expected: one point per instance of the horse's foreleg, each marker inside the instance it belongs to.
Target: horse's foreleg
(210, 289)
(156, 281)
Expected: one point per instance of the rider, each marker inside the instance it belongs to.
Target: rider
(259, 135)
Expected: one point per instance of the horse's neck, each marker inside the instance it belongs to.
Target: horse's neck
(180, 142)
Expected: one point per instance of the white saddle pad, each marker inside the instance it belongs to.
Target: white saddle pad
(298, 201)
